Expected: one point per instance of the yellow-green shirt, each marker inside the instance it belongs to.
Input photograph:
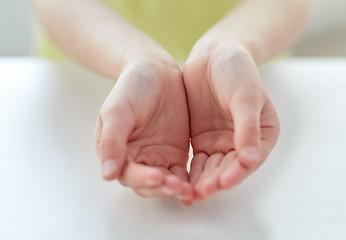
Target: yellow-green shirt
(174, 24)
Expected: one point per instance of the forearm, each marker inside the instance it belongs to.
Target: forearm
(94, 35)
(264, 27)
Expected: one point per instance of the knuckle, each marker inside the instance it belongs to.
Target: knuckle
(108, 141)
(140, 193)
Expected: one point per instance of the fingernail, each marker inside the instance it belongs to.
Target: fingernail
(183, 198)
(168, 191)
(187, 203)
(152, 183)
(251, 154)
(109, 167)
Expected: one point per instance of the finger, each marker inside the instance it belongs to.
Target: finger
(186, 193)
(213, 161)
(98, 134)
(156, 182)
(150, 192)
(207, 185)
(198, 198)
(197, 167)
(172, 185)
(170, 189)
(233, 171)
(246, 110)
(136, 175)
(175, 188)
(187, 203)
(180, 171)
(270, 128)
(114, 127)
(186, 189)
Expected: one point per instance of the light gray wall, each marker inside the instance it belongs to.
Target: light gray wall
(15, 28)
(325, 34)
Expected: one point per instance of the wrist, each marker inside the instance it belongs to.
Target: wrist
(210, 48)
(217, 42)
(153, 62)
(150, 57)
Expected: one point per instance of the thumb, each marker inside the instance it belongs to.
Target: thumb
(112, 132)
(246, 111)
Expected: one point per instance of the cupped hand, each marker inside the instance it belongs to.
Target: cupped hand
(234, 125)
(142, 133)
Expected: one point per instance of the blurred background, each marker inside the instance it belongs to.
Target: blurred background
(325, 34)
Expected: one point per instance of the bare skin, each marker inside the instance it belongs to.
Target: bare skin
(234, 125)
(143, 130)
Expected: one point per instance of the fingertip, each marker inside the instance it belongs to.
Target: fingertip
(154, 181)
(186, 193)
(207, 187)
(167, 191)
(249, 156)
(171, 186)
(227, 181)
(232, 176)
(154, 177)
(173, 182)
(110, 169)
(187, 203)
(198, 198)
(136, 175)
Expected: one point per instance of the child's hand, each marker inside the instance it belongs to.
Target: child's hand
(234, 125)
(142, 135)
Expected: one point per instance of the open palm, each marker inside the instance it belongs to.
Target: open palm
(142, 135)
(233, 123)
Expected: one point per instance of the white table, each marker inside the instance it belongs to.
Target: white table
(51, 186)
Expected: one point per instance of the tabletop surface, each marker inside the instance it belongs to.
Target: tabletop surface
(51, 185)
